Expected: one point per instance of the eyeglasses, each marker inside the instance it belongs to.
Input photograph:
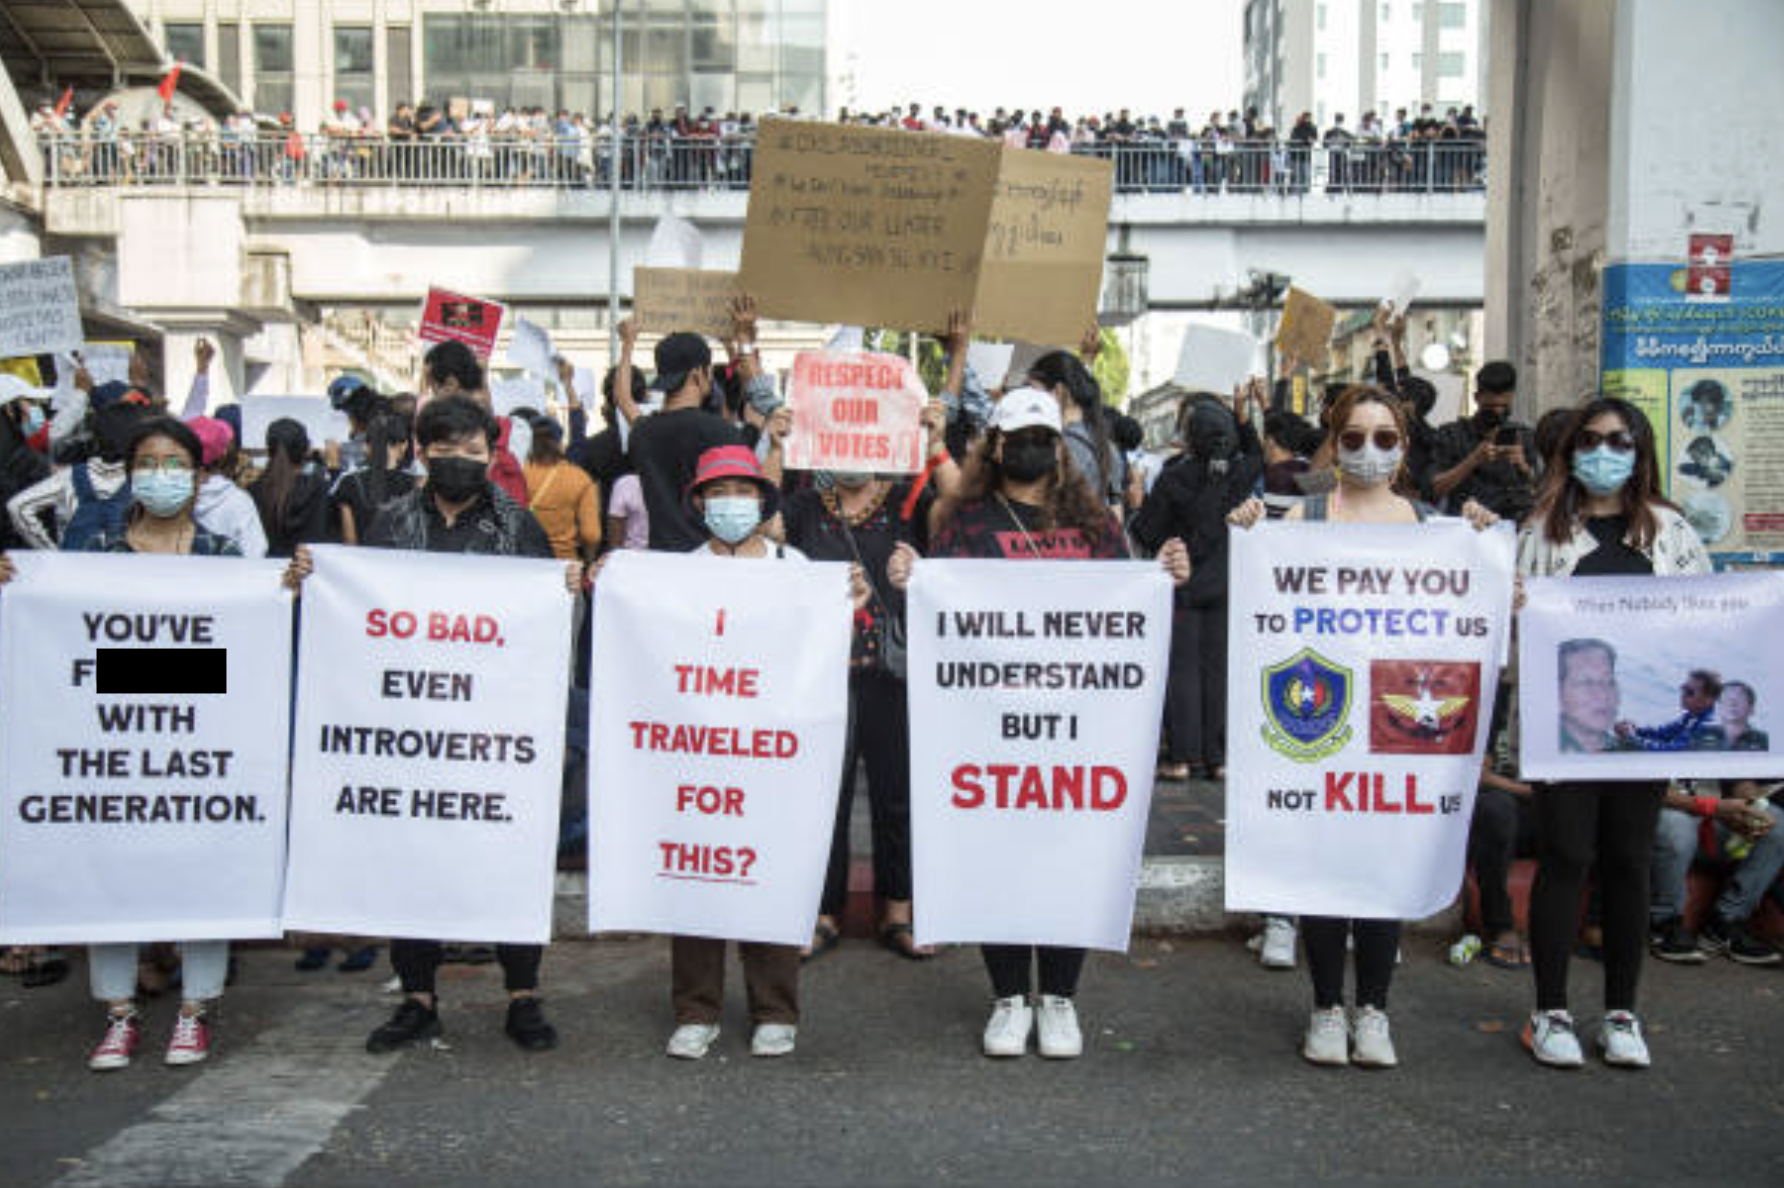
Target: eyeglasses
(1619, 440)
(173, 466)
(1356, 439)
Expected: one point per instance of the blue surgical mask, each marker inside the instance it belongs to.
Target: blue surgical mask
(162, 492)
(732, 518)
(1603, 471)
(33, 421)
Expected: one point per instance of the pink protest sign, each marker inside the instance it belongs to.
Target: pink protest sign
(856, 410)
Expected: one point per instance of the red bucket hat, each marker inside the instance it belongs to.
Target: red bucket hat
(735, 461)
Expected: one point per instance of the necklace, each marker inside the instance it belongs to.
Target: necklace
(833, 505)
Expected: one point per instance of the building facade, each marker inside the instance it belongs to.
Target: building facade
(301, 56)
(1345, 57)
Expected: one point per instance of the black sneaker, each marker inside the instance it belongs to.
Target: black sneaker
(411, 1022)
(1712, 935)
(1746, 949)
(1671, 941)
(527, 1026)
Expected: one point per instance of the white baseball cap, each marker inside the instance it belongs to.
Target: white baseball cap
(1025, 408)
(13, 388)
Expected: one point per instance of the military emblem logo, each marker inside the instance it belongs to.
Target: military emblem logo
(1307, 706)
(1423, 707)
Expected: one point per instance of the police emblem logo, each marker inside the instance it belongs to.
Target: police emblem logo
(1307, 706)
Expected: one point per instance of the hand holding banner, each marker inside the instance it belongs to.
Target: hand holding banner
(1036, 691)
(452, 317)
(716, 727)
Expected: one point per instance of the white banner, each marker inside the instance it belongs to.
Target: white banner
(144, 704)
(716, 723)
(1612, 677)
(40, 312)
(428, 763)
(1036, 692)
(1363, 661)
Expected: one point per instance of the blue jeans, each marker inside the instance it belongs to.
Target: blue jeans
(1675, 845)
(204, 965)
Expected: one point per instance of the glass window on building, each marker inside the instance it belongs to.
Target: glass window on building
(1386, 13)
(1384, 63)
(272, 68)
(397, 65)
(185, 42)
(1452, 15)
(353, 66)
(229, 55)
(1319, 66)
(1451, 65)
(1319, 18)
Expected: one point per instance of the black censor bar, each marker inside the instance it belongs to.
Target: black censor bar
(163, 670)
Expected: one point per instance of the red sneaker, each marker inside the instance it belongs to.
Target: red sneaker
(113, 1052)
(191, 1040)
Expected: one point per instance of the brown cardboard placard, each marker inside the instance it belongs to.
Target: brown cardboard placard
(879, 227)
(1044, 246)
(665, 300)
(1306, 328)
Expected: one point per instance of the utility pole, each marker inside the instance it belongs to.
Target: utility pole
(615, 167)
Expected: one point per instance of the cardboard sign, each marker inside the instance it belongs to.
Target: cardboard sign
(40, 312)
(1602, 662)
(878, 227)
(529, 347)
(665, 300)
(451, 317)
(1361, 671)
(143, 747)
(319, 419)
(716, 728)
(856, 410)
(1306, 328)
(428, 764)
(1035, 692)
(1215, 360)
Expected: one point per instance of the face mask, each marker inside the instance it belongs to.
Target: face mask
(852, 480)
(456, 478)
(33, 421)
(1370, 466)
(162, 492)
(1603, 471)
(1488, 419)
(732, 518)
(1027, 461)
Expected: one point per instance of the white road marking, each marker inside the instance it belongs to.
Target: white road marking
(253, 1117)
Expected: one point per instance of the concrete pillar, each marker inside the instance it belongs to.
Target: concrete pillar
(307, 35)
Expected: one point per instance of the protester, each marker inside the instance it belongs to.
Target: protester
(1738, 836)
(1368, 437)
(452, 369)
(628, 523)
(562, 495)
(1601, 513)
(223, 507)
(1487, 457)
(391, 470)
(163, 459)
(24, 445)
(1085, 419)
(292, 498)
(459, 509)
(75, 503)
(1502, 829)
(1020, 477)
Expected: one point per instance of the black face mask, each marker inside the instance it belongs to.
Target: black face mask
(1488, 419)
(456, 478)
(1026, 461)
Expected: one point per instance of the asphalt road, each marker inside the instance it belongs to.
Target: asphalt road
(1191, 1074)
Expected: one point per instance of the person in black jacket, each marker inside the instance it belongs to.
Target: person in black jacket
(290, 495)
(1216, 472)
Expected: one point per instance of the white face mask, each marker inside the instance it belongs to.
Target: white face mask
(1370, 466)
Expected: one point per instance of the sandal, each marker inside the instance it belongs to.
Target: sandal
(899, 938)
(824, 937)
(1514, 955)
(1174, 772)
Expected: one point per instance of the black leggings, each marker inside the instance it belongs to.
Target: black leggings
(417, 961)
(880, 735)
(1575, 823)
(1195, 690)
(1012, 969)
(1378, 944)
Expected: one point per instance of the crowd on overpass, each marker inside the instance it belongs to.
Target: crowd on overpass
(471, 142)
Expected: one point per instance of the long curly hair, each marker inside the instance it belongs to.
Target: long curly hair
(1068, 503)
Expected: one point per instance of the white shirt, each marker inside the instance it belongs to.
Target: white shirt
(224, 509)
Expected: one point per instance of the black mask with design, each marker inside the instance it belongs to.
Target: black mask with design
(456, 478)
(1026, 461)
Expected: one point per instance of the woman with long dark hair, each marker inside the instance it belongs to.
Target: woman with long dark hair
(390, 470)
(1022, 499)
(1085, 422)
(1599, 511)
(291, 497)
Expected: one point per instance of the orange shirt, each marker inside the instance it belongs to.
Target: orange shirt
(568, 505)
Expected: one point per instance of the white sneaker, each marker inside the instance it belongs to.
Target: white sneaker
(1278, 949)
(1058, 1020)
(1371, 1045)
(1328, 1037)
(1620, 1039)
(773, 1039)
(1007, 1032)
(691, 1040)
(1551, 1039)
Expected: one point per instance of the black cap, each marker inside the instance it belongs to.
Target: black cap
(677, 354)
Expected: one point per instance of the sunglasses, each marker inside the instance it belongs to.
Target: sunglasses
(1356, 439)
(1620, 440)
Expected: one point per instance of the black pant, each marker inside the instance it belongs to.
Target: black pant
(1378, 944)
(1503, 824)
(880, 735)
(417, 961)
(1012, 969)
(1575, 822)
(1195, 692)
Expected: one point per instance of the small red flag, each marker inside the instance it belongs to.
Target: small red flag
(63, 102)
(170, 83)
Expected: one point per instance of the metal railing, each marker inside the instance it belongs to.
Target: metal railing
(663, 163)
